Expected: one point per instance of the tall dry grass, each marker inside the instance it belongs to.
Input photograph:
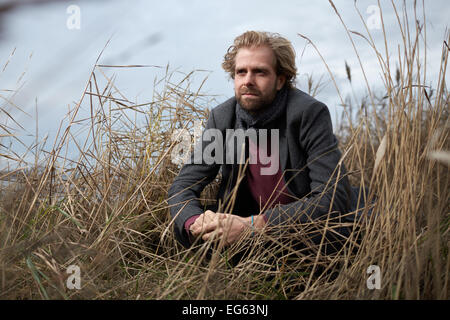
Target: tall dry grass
(106, 210)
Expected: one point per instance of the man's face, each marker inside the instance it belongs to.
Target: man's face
(255, 80)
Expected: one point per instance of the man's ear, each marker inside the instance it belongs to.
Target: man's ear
(281, 80)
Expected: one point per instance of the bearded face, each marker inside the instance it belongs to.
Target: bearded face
(256, 82)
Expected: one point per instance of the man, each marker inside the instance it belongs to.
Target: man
(309, 182)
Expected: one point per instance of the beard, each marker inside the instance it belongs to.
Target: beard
(257, 102)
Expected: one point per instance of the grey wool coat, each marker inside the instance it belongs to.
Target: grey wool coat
(309, 159)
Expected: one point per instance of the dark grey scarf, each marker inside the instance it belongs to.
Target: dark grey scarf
(263, 119)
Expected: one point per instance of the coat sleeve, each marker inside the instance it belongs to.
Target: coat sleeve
(184, 193)
(329, 184)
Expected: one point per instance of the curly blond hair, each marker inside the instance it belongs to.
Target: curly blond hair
(282, 48)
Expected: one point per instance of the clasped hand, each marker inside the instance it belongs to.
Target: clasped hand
(220, 225)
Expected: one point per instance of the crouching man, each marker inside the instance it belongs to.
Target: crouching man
(293, 172)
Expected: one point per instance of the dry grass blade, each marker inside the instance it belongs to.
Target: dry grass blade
(381, 151)
(443, 156)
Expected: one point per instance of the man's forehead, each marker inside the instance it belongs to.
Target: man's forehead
(255, 57)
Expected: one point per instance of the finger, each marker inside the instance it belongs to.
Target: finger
(209, 227)
(197, 224)
(201, 225)
(212, 234)
(223, 216)
(194, 230)
(215, 217)
(197, 230)
(207, 219)
(199, 221)
(211, 219)
(206, 236)
(204, 226)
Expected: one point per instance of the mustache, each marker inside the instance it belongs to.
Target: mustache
(249, 91)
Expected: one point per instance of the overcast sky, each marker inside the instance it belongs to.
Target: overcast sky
(188, 35)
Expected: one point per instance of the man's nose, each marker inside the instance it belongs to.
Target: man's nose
(249, 79)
